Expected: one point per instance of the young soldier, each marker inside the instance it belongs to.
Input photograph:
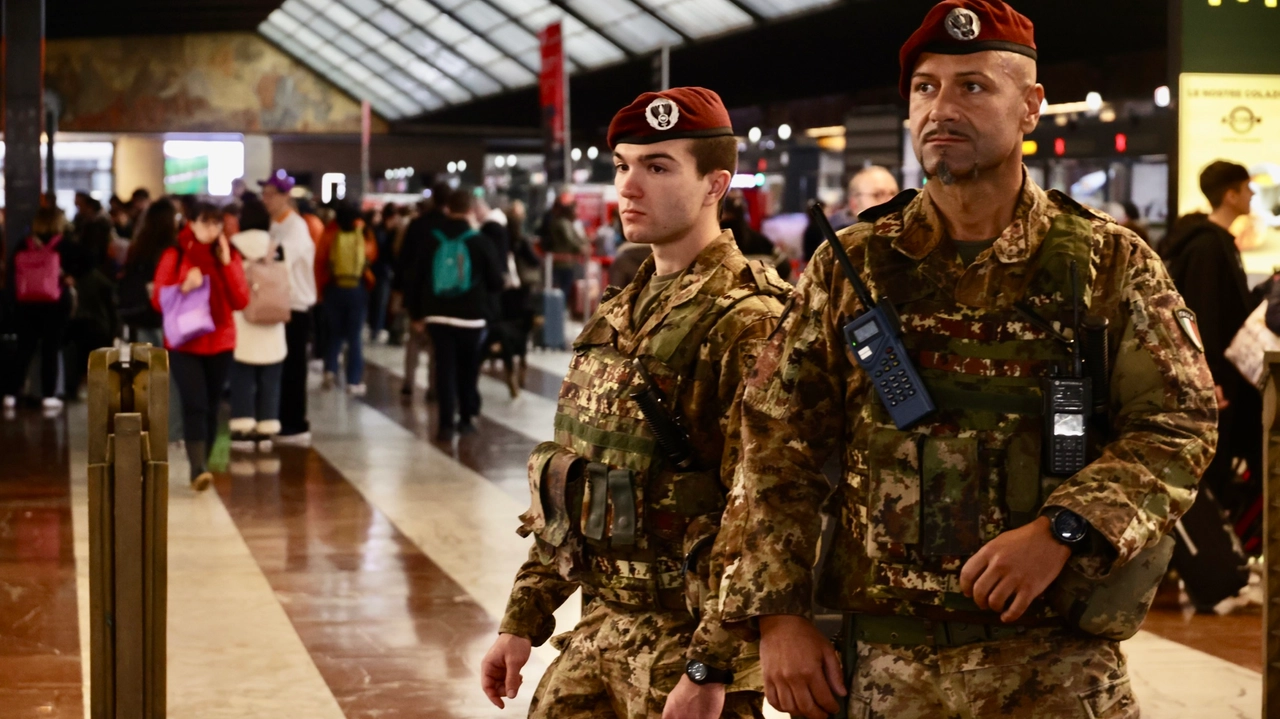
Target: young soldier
(950, 528)
(629, 518)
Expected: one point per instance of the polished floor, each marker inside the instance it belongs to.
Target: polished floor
(363, 577)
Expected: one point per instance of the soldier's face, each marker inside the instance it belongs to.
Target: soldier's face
(661, 196)
(969, 113)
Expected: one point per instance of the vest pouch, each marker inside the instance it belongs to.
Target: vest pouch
(1114, 606)
(951, 482)
(893, 462)
(555, 492)
(698, 538)
(675, 498)
(609, 517)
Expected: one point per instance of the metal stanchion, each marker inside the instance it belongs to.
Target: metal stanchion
(128, 533)
(1271, 539)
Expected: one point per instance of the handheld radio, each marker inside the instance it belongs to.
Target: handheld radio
(1068, 400)
(875, 337)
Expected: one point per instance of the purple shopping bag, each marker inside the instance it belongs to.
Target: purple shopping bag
(186, 316)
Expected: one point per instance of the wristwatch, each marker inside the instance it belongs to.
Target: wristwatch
(1067, 527)
(701, 673)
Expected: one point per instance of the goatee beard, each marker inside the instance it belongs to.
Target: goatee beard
(945, 175)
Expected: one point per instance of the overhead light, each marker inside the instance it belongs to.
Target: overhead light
(511, 160)
(592, 152)
(499, 162)
(1162, 96)
(784, 131)
(1059, 147)
(828, 131)
(576, 154)
(1062, 120)
(759, 179)
(462, 165)
(388, 174)
(753, 135)
(1122, 142)
(1044, 106)
(1094, 101)
(333, 184)
(1107, 115)
(452, 167)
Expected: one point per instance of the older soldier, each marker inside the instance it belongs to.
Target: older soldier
(627, 501)
(949, 530)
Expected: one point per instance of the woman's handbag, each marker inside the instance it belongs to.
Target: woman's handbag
(1249, 347)
(186, 315)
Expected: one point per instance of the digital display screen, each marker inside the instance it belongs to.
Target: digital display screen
(866, 332)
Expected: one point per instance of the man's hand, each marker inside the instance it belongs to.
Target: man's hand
(1017, 565)
(500, 669)
(193, 280)
(801, 670)
(691, 701)
(224, 249)
(1218, 394)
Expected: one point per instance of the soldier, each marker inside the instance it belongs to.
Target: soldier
(626, 502)
(950, 529)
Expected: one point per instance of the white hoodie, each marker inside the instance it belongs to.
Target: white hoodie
(257, 344)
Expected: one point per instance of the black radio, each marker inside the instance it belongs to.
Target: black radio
(875, 337)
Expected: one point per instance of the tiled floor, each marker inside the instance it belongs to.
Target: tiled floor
(364, 577)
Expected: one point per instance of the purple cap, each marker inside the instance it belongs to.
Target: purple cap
(281, 181)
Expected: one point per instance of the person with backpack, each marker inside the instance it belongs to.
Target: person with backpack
(260, 337)
(41, 305)
(344, 279)
(203, 260)
(142, 323)
(458, 273)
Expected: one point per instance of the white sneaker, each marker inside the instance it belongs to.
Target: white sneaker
(53, 404)
(301, 439)
(357, 390)
(10, 401)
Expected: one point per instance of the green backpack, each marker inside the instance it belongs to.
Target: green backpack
(348, 258)
(451, 265)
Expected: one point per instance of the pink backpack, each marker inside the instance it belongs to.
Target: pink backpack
(38, 272)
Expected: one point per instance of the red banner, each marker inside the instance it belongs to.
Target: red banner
(552, 88)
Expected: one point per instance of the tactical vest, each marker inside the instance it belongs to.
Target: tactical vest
(971, 470)
(606, 507)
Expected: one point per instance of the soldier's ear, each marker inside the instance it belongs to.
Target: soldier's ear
(718, 187)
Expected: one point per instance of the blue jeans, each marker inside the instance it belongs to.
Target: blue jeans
(255, 391)
(346, 309)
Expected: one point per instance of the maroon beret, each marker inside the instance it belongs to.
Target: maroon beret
(962, 27)
(678, 113)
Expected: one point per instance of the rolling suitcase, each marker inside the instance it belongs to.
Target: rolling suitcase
(551, 334)
(1208, 555)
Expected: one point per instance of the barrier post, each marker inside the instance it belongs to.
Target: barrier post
(128, 531)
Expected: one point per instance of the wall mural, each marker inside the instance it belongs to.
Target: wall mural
(216, 82)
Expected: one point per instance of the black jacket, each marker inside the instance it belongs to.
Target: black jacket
(415, 239)
(486, 278)
(1206, 267)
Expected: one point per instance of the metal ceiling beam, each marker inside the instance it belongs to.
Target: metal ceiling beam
(321, 73)
(368, 48)
(684, 37)
(422, 29)
(472, 29)
(756, 17)
(564, 7)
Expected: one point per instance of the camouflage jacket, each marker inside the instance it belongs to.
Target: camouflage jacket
(707, 401)
(808, 398)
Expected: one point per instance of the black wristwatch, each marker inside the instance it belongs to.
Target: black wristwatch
(1067, 527)
(701, 673)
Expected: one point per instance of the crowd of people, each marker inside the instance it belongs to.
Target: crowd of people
(247, 296)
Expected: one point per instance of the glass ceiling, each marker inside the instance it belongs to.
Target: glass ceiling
(409, 57)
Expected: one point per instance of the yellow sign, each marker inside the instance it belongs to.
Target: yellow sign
(1234, 118)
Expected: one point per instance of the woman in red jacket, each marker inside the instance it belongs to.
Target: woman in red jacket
(200, 366)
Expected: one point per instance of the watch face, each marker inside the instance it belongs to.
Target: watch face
(1069, 526)
(698, 671)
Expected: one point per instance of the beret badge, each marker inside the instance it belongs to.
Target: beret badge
(662, 114)
(963, 24)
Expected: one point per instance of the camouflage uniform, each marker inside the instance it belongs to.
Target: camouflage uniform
(610, 514)
(914, 505)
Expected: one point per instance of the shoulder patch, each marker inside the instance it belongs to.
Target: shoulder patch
(901, 200)
(767, 278)
(1187, 321)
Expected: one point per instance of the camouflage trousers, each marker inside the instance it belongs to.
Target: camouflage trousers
(1051, 675)
(620, 662)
